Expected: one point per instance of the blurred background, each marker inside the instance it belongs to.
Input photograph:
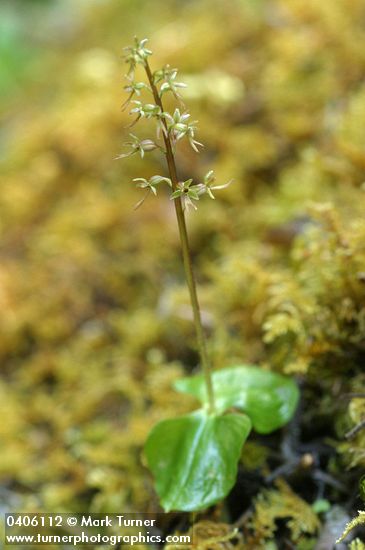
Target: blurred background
(94, 315)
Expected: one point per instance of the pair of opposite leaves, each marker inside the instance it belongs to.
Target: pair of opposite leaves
(194, 458)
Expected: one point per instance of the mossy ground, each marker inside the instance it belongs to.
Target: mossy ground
(95, 319)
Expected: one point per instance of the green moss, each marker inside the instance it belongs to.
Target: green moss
(91, 289)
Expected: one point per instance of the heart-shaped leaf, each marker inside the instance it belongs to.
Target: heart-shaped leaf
(268, 398)
(194, 458)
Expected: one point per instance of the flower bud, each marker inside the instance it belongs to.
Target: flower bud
(148, 145)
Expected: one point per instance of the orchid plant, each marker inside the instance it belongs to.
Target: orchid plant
(194, 458)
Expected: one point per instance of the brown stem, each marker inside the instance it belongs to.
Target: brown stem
(190, 278)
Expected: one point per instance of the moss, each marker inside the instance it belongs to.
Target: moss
(95, 324)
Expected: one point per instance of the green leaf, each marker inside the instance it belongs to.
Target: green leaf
(268, 398)
(194, 458)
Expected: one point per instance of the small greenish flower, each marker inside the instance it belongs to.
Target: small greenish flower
(178, 127)
(151, 186)
(187, 192)
(163, 74)
(139, 146)
(137, 54)
(134, 88)
(169, 84)
(152, 183)
(145, 110)
(208, 187)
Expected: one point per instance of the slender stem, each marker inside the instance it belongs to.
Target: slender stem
(189, 273)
